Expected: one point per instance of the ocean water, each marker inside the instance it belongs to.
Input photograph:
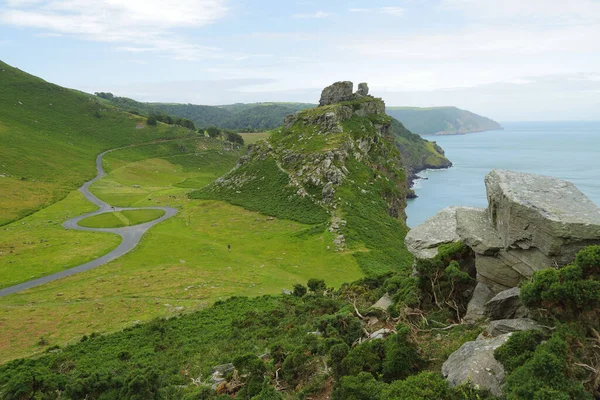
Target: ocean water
(567, 150)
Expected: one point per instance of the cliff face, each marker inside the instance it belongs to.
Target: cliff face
(442, 120)
(418, 154)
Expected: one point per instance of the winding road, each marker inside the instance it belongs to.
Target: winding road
(131, 235)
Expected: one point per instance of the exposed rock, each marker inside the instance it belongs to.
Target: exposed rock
(509, 267)
(383, 303)
(476, 307)
(502, 326)
(337, 93)
(328, 192)
(423, 241)
(363, 89)
(474, 363)
(542, 212)
(474, 229)
(532, 222)
(380, 334)
(505, 305)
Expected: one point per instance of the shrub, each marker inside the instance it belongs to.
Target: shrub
(337, 353)
(366, 357)
(401, 356)
(424, 386)
(360, 387)
(151, 120)
(568, 292)
(299, 290)
(545, 375)
(518, 349)
(316, 285)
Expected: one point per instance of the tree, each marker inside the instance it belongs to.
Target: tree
(235, 138)
(213, 131)
(151, 120)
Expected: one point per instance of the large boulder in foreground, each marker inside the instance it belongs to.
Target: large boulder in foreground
(535, 211)
(337, 93)
(474, 363)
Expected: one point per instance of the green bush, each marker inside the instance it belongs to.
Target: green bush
(569, 292)
(545, 375)
(151, 120)
(518, 349)
(424, 386)
(360, 387)
(401, 356)
(299, 290)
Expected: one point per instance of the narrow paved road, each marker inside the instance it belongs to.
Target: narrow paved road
(131, 235)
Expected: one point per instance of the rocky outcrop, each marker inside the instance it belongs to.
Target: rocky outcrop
(337, 93)
(503, 326)
(532, 222)
(363, 89)
(342, 91)
(474, 363)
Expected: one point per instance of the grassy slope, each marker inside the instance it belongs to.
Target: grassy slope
(50, 137)
(417, 153)
(121, 219)
(444, 120)
(182, 262)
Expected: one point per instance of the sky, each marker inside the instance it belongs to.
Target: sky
(510, 60)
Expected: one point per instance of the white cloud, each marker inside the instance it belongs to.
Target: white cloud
(393, 11)
(316, 15)
(144, 23)
(550, 11)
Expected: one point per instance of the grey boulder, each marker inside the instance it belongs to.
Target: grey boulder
(423, 241)
(476, 307)
(502, 326)
(474, 363)
(337, 93)
(505, 305)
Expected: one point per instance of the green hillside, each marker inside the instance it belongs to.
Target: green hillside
(442, 120)
(238, 117)
(50, 137)
(329, 164)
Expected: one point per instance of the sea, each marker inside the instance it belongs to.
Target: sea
(566, 150)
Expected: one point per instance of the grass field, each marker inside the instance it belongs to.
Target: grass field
(181, 264)
(253, 137)
(38, 245)
(121, 218)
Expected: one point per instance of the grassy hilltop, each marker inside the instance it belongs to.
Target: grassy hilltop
(50, 137)
(442, 120)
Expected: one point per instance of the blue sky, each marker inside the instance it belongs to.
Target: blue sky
(509, 60)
